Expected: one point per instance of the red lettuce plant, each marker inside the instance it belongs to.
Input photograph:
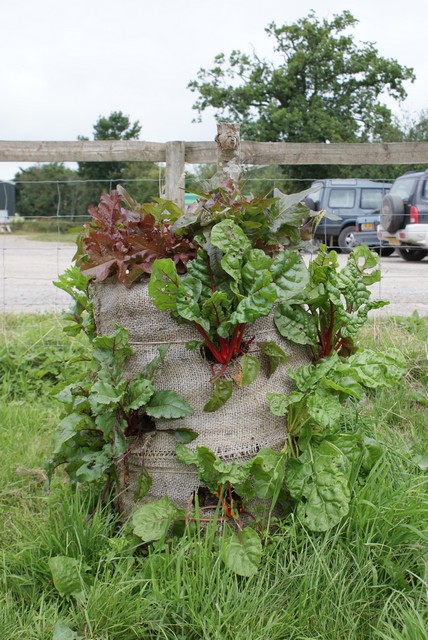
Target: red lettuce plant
(124, 239)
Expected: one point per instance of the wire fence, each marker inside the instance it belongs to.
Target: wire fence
(36, 249)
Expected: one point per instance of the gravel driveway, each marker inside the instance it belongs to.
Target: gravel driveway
(28, 268)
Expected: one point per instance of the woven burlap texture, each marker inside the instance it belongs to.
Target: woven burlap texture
(236, 431)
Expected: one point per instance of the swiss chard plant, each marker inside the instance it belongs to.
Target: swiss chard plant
(329, 311)
(242, 269)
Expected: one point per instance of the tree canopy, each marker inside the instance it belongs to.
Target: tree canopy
(47, 190)
(323, 86)
(116, 126)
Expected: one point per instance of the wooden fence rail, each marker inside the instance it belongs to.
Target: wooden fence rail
(176, 154)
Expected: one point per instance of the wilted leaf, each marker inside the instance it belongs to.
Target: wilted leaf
(222, 391)
(250, 367)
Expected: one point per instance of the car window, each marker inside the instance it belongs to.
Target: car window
(343, 198)
(425, 190)
(371, 198)
(403, 187)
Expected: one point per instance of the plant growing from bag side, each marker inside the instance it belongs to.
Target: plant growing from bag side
(104, 413)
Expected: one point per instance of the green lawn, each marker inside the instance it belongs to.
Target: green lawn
(367, 578)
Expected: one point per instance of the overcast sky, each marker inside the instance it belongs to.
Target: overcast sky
(65, 63)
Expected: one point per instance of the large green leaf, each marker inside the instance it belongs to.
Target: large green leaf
(309, 375)
(204, 459)
(295, 324)
(107, 393)
(318, 482)
(163, 284)
(242, 552)
(152, 521)
(289, 273)
(279, 402)
(168, 404)
(324, 407)
(256, 305)
(67, 575)
(187, 301)
(268, 469)
(376, 368)
(256, 270)
(229, 237)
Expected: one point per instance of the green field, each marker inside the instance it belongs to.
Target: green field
(366, 578)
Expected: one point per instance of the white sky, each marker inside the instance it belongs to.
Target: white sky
(66, 63)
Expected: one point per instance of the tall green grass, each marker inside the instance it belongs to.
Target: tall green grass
(365, 579)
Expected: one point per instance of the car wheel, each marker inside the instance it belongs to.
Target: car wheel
(392, 213)
(346, 240)
(385, 251)
(413, 255)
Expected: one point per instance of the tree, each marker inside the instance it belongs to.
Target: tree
(417, 128)
(116, 127)
(324, 87)
(48, 190)
(140, 178)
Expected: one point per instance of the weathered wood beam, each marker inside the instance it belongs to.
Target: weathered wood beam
(82, 150)
(260, 153)
(175, 172)
(257, 153)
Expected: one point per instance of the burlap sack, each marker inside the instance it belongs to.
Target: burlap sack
(237, 431)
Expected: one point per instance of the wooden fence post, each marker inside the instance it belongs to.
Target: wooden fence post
(175, 172)
(229, 150)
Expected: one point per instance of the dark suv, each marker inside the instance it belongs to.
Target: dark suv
(404, 216)
(343, 201)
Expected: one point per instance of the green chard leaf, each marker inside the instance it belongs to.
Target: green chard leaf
(152, 521)
(268, 471)
(318, 482)
(242, 552)
(279, 402)
(378, 369)
(289, 273)
(295, 324)
(163, 285)
(324, 408)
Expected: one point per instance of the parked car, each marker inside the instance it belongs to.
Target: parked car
(343, 201)
(366, 233)
(404, 216)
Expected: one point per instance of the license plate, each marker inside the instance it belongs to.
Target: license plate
(367, 226)
(394, 241)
